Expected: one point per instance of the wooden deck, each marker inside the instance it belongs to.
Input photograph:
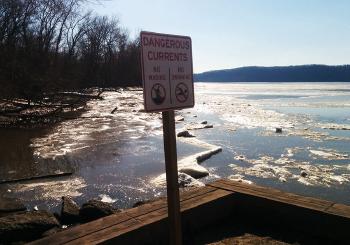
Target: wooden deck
(212, 204)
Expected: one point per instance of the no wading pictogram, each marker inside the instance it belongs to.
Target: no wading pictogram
(158, 93)
(181, 92)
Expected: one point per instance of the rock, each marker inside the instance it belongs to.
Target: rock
(278, 130)
(69, 211)
(140, 203)
(57, 216)
(240, 158)
(204, 122)
(95, 209)
(26, 226)
(208, 126)
(185, 133)
(194, 170)
(186, 180)
(303, 173)
(282, 179)
(9, 206)
(52, 231)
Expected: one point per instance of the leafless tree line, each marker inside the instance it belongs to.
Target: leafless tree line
(48, 45)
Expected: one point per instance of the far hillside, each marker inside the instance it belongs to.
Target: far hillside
(301, 73)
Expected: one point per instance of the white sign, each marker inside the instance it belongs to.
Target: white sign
(167, 71)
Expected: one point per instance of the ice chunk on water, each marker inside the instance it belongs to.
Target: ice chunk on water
(107, 199)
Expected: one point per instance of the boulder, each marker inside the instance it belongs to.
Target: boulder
(95, 209)
(69, 211)
(186, 180)
(140, 203)
(194, 170)
(52, 231)
(9, 206)
(185, 133)
(26, 226)
(204, 122)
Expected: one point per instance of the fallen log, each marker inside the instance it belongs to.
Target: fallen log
(77, 94)
(54, 175)
(114, 110)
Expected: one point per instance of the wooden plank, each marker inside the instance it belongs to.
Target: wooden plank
(129, 222)
(112, 220)
(80, 231)
(340, 210)
(158, 204)
(196, 192)
(285, 197)
(203, 199)
(139, 221)
(108, 233)
(273, 194)
(185, 205)
(277, 195)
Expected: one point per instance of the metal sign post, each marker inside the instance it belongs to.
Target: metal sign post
(167, 75)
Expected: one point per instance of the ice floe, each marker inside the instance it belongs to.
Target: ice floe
(190, 165)
(53, 189)
(286, 169)
(185, 180)
(239, 178)
(334, 126)
(97, 125)
(329, 154)
(106, 198)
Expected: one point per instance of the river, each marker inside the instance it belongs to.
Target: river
(117, 157)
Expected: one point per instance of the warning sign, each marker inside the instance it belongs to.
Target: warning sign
(167, 71)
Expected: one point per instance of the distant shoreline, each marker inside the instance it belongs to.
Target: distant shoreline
(270, 82)
(277, 74)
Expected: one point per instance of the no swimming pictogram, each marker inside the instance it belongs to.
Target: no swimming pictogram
(181, 92)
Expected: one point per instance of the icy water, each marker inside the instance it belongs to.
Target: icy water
(118, 158)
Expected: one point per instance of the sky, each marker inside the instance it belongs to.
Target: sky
(234, 33)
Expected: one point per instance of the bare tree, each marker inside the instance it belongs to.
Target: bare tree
(57, 44)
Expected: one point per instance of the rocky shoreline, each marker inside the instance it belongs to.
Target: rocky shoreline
(18, 225)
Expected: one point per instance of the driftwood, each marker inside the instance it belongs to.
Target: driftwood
(114, 110)
(55, 106)
(77, 94)
(36, 177)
